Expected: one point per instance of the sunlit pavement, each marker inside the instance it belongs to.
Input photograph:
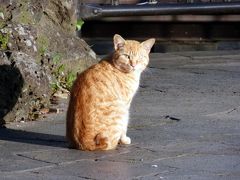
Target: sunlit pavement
(185, 124)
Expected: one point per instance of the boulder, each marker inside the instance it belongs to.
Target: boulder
(40, 54)
(24, 87)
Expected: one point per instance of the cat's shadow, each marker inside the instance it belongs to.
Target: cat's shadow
(20, 136)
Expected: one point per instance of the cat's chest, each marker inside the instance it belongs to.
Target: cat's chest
(135, 87)
(128, 89)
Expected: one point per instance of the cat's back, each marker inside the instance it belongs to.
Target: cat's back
(98, 75)
(101, 82)
(84, 94)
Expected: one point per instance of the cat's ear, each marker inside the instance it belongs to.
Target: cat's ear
(118, 41)
(147, 45)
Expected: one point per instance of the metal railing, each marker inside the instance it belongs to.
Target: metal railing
(153, 7)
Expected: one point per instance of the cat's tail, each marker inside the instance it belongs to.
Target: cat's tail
(72, 128)
(101, 142)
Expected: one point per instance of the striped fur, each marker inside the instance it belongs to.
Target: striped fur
(98, 112)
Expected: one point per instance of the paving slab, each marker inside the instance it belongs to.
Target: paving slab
(185, 124)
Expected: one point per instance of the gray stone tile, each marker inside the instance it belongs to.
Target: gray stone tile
(201, 89)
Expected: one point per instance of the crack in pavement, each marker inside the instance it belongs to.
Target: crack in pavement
(84, 177)
(32, 158)
(56, 164)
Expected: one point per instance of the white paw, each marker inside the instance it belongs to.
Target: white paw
(126, 140)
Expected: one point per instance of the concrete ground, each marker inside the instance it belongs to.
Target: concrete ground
(185, 124)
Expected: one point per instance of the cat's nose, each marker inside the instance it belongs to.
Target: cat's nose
(133, 64)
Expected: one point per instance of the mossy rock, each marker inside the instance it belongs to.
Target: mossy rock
(40, 46)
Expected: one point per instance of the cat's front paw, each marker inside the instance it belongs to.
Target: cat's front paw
(126, 140)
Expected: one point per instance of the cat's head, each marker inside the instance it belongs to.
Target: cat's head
(129, 55)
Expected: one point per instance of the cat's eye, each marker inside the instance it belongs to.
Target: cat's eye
(126, 55)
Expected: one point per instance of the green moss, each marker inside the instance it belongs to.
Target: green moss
(79, 24)
(57, 58)
(42, 44)
(63, 78)
(2, 18)
(57, 72)
(25, 16)
(55, 86)
(2, 24)
(70, 78)
(4, 38)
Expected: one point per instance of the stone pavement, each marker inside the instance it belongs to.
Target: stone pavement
(185, 124)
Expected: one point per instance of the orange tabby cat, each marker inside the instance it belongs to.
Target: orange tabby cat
(98, 111)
